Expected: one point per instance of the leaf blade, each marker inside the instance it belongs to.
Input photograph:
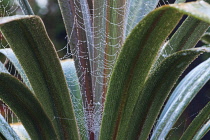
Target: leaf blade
(27, 37)
(2, 68)
(124, 70)
(25, 7)
(9, 54)
(197, 123)
(135, 70)
(181, 97)
(28, 110)
(6, 130)
(156, 91)
(135, 6)
(73, 85)
(189, 34)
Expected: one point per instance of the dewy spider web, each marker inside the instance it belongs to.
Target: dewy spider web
(104, 35)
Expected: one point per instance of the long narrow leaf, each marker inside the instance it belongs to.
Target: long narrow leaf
(206, 38)
(139, 51)
(2, 68)
(137, 9)
(155, 92)
(23, 103)
(180, 1)
(197, 123)
(9, 54)
(73, 84)
(25, 7)
(20, 130)
(77, 21)
(6, 130)
(99, 31)
(43, 70)
(180, 98)
(114, 39)
(188, 34)
(144, 39)
(205, 129)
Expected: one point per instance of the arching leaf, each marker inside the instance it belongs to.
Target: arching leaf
(73, 84)
(180, 98)
(135, 61)
(9, 54)
(25, 105)
(6, 131)
(200, 122)
(27, 36)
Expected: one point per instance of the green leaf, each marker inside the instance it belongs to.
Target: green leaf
(206, 38)
(201, 119)
(72, 81)
(114, 38)
(9, 54)
(135, 61)
(108, 36)
(25, 105)
(180, 98)
(73, 84)
(137, 10)
(2, 68)
(132, 67)
(205, 129)
(188, 35)
(25, 7)
(6, 131)
(180, 1)
(156, 91)
(20, 130)
(27, 36)
(100, 33)
(74, 12)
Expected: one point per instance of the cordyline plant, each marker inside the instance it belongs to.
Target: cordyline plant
(121, 84)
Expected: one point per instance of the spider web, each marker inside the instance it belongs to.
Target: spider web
(98, 40)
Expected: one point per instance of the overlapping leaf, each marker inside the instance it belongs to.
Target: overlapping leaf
(199, 126)
(6, 131)
(133, 66)
(9, 54)
(73, 84)
(184, 93)
(26, 106)
(27, 37)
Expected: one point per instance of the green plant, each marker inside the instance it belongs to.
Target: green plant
(144, 66)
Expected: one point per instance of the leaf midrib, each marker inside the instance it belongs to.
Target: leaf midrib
(45, 76)
(132, 69)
